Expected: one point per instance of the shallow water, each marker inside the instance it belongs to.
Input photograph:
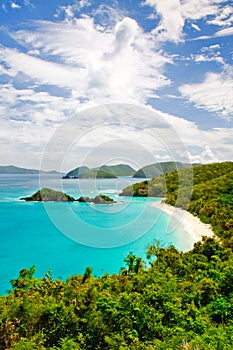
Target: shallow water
(67, 237)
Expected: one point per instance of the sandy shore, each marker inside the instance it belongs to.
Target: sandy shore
(192, 224)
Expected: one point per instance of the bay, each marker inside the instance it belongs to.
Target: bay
(67, 237)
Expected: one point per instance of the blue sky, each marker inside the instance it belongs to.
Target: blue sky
(58, 58)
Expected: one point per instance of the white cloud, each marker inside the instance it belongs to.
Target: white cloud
(70, 10)
(210, 53)
(224, 32)
(15, 6)
(116, 61)
(224, 18)
(205, 58)
(175, 13)
(106, 132)
(220, 33)
(39, 70)
(195, 26)
(213, 94)
(172, 21)
(203, 146)
(147, 139)
(114, 64)
(197, 9)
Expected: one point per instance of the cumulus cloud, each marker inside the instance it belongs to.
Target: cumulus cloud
(105, 133)
(224, 18)
(172, 21)
(174, 15)
(115, 64)
(60, 68)
(210, 53)
(37, 69)
(213, 94)
(14, 6)
(70, 10)
(203, 146)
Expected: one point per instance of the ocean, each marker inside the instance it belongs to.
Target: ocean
(65, 238)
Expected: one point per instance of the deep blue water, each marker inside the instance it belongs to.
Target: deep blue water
(67, 237)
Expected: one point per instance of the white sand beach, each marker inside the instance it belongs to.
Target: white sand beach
(192, 224)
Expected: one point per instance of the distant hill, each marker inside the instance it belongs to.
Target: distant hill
(157, 169)
(84, 172)
(11, 169)
(118, 170)
(77, 172)
(105, 171)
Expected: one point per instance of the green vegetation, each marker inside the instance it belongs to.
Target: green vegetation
(210, 197)
(100, 199)
(49, 195)
(154, 170)
(77, 172)
(182, 301)
(174, 300)
(118, 170)
(105, 171)
(98, 174)
(85, 173)
(11, 169)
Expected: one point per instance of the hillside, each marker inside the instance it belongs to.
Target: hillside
(154, 170)
(14, 170)
(75, 173)
(97, 174)
(104, 171)
(84, 172)
(118, 170)
(211, 195)
(11, 169)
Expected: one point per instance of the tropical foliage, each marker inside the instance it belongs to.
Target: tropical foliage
(48, 195)
(173, 300)
(204, 190)
(179, 301)
(154, 170)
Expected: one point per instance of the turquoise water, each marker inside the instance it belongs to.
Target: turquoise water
(67, 237)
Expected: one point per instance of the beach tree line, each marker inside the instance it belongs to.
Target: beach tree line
(204, 190)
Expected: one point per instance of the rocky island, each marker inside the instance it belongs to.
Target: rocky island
(100, 199)
(50, 195)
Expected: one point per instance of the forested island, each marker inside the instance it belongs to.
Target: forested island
(103, 172)
(174, 300)
(51, 195)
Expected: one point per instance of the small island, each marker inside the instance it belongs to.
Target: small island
(50, 195)
(100, 199)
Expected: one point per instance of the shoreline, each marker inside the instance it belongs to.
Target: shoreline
(192, 224)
